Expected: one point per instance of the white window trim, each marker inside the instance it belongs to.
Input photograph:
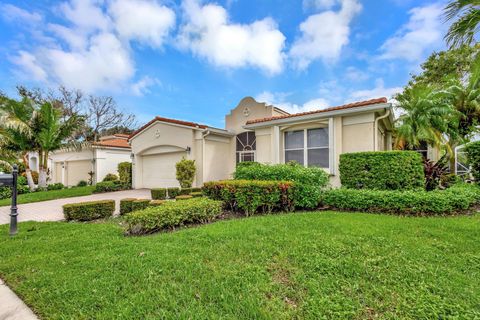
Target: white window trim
(306, 148)
(241, 153)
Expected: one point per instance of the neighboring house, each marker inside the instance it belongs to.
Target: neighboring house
(259, 132)
(70, 166)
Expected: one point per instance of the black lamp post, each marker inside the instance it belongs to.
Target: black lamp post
(10, 180)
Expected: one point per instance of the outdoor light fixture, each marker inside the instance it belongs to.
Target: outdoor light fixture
(188, 149)
(132, 155)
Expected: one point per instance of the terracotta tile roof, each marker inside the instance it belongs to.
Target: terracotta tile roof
(342, 107)
(113, 143)
(121, 135)
(174, 121)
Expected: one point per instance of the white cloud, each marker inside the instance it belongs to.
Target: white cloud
(377, 92)
(142, 86)
(279, 100)
(419, 36)
(145, 21)
(12, 13)
(323, 35)
(356, 75)
(86, 15)
(208, 33)
(29, 67)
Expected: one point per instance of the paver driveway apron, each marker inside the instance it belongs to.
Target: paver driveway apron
(52, 210)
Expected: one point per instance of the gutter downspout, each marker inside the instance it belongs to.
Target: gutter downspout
(375, 129)
(205, 134)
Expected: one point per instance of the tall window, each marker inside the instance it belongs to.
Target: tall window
(309, 147)
(246, 146)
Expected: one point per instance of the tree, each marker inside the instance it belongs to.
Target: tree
(185, 172)
(16, 134)
(464, 28)
(52, 131)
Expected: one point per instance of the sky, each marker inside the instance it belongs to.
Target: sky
(195, 60)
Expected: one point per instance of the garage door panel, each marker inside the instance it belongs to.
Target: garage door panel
(159, 170)
(77, 171)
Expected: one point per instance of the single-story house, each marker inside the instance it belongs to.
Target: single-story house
(259, 132)
(70, 166)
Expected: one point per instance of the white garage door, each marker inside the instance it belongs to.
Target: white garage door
(159, 170)
(77, 171)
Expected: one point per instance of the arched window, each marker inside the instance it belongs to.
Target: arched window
(246, 146)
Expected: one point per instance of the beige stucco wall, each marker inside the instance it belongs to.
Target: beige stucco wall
(215, 166)
(236, 119)
(69, 167)
(107, 160)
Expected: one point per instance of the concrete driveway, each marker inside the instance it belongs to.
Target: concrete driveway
(52, 210)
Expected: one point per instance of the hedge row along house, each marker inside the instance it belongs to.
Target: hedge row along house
(94, 160)
(259, 132)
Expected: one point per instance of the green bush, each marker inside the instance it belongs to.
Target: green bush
(196, 189)
(473, 156)
(197, 194)
(159, 193)
(125, 173)
(82, 183)
(126, 205)
(172, 214)
(382, 170)
(156, 203)
(140, 204)
(108, 186)
(183, 197)
(86, 211)
(458, 198)
(185, 191)
(308, 181)
(55, 186)
(185, 172)
(173, 192)
(34, 176)
(251, 196)
(21, 181)
(110, 177)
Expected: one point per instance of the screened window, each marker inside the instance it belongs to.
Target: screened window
(246, 146)
(309, 147)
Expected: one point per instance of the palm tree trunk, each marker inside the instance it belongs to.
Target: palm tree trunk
(28, 172)
(43, 169)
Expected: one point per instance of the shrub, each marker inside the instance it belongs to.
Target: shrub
(183, 197)
(86, 211)
(107, 186)
(197, 194)
(173, 192)
(21, 180)
(308, 181)
(434, 172)
(185, 191)
(159, 193)
(125, 173)
(172, 214)
(34, 176)
(382, 170)
(156, 203)
(405, 202)
(126, 205)
(473, 156)
(185, 172)
(110, 177)
(196, 189)
(55, 186)
(250, 196)
(82, 183)
(140, 204)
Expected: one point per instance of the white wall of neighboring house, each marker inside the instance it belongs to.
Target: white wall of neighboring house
(107, 160)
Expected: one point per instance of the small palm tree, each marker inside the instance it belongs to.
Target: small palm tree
(463, 30)
(52, 131)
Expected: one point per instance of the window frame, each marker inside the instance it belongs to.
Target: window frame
(305, 147)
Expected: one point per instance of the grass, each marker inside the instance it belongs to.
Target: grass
(50, 195)
(299, 265)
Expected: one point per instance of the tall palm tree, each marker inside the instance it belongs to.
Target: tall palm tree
(465, 27)
(52, 131)
(16, 134)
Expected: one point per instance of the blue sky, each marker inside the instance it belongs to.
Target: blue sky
(195, 60)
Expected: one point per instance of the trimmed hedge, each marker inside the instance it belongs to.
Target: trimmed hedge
(308, 181)
(55, 186)
(126, 205)
(107, 186)
(382, 170)
(172, 214)
(185, 191)
(173, 192)
(250, 196)
(196, 194)
(454, 200)
(156, 203)
(87, 211)
(140, 204)
(110, 177)
(473, 156)
(159, 193)
(183, 197)
(196, 189)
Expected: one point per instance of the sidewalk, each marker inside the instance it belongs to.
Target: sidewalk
(11, 307)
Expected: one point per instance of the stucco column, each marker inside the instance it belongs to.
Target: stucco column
(276, 145)
(134, 172)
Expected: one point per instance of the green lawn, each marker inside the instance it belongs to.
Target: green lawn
(300, 265)
(50, 195)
